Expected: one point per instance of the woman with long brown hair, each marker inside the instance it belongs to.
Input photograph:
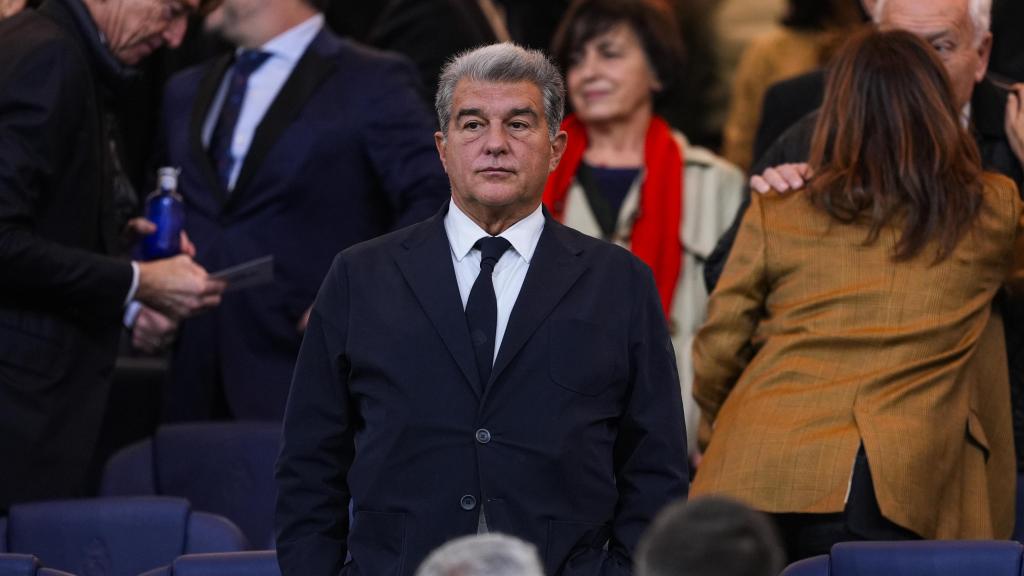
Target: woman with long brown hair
(837, 370)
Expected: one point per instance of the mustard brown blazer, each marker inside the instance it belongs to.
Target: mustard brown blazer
(817, 342)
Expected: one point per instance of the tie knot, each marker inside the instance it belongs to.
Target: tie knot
(248, 61)
(491, 248)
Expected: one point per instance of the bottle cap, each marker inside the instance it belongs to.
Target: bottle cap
(167, 177)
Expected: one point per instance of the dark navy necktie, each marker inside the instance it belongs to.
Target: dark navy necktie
(482, 306)
(247, 62)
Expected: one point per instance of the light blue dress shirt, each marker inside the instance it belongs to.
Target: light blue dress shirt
(264, 84)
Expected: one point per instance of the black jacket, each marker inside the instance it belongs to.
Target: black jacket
(61, 295)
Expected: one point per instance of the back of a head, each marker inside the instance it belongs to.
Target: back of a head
(710, 536)
(889, 144)
(483, 555)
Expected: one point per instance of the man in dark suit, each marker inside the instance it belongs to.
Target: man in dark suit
(486, 370)
(63, 293)
(297, 145)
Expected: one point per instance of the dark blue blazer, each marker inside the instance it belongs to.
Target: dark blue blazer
(345, 153)
(575, 442)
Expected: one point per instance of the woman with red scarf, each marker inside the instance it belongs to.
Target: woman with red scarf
(626, 175)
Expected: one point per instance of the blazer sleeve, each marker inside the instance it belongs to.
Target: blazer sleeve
(40, 107)
(650, 459)
(793, 146)
(722, 347)
(399, 137)
(317, 443)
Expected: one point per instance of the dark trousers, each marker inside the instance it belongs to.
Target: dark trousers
(806, 535)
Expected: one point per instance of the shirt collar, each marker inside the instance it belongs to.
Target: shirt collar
(292, 43)
(463, 232)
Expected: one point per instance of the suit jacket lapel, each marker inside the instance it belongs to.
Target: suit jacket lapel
(204, 100)
(314, 66)
(425, 260)
(555, 268)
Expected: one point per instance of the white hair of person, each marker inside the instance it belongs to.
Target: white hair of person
(483, 555)
(505, 62)
(979, 10)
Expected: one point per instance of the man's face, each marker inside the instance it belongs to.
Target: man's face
(136, 28)
(947, 26)
(498, 152)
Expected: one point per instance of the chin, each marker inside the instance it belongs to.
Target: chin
(598, 114)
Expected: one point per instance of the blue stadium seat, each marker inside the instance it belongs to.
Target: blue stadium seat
(222, 467)
(923, 558)
(261, 563)
(115, 536)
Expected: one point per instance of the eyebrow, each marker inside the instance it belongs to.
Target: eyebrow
(469, 112)
(523, 112)
(528, 111)
(938, 35)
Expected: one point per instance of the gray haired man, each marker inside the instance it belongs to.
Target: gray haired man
(483, 555)
(485, 370)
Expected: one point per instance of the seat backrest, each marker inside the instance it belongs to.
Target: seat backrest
(258, 563)
(926, 558)
(115, 536)
(222, 467)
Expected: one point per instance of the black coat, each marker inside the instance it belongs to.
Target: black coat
(575, 441)
(61, 296)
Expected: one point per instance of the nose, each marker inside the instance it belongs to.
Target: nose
(497, 139)
(175, 31)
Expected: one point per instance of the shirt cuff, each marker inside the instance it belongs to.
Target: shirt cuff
(131, 313)
(135, 284)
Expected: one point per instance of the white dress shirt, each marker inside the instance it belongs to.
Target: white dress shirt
(510, 271)
(285, 51)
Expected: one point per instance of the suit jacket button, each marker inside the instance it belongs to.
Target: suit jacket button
(483, 436)
(468, 502)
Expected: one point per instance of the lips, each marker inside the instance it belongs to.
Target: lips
(495, 170)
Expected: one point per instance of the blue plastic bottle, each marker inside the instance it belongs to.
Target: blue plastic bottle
(164, 208)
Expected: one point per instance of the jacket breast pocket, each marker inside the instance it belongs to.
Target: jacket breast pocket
(583, 356)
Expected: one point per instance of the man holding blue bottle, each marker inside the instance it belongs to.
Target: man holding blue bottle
(62, 293)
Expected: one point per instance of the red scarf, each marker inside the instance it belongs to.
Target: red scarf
(655, 238)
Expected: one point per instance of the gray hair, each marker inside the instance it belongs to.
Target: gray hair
(505, 62)
(979, 10)
(483, 555)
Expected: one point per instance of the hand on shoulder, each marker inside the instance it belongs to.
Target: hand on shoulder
(782, 178)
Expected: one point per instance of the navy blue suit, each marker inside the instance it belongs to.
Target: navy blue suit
(577, 439)
(344, 154)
